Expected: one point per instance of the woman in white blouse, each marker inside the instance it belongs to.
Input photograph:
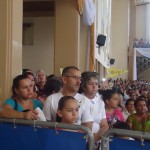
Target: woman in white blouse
(90, 85)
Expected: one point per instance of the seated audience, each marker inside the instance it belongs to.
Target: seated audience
(53, 85)
(144, 94)
(126, 94)
(113, 114)
(40, 82)
(140, 121)
(148, 106)
(148, 96)
(21, 105)
(68, 110)
(31, 77)
(121, 104)
(133, 95)
(71, 79)
(129, 108)
(89, 84)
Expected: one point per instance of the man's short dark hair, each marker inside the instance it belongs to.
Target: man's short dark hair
(67, 69)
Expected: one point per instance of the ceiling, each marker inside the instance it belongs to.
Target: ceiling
(38, 8)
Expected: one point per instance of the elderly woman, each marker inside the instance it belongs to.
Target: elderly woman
(140, 121)
(21, 105)
(89, 84)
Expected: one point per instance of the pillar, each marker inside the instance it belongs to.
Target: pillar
(67, 33)
(11, 12)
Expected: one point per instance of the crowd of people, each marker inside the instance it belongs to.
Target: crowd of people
(79, 98)
(140, 43)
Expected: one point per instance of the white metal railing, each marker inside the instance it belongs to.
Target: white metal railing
(54, 125)
(120, 132)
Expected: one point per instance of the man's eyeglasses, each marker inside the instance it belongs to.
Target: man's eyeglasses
(74, 77)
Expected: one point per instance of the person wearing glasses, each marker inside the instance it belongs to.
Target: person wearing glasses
(71, 79)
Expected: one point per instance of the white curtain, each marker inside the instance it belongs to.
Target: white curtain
(89, 12)
(148, 22)
(139, 52)
(144, 51)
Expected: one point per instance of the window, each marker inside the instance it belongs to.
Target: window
(28, 33)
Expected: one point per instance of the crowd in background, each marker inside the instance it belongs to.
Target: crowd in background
(81, 98)
(141, 43)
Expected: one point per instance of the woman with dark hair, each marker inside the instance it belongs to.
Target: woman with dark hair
(21, 105)
(53, 85)
(129, 108)
(140, 121)
(31, 77)
(113, 114)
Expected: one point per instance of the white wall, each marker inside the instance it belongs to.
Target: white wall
(40, 55)
(83, 46)
(141, 22)
(119, 30)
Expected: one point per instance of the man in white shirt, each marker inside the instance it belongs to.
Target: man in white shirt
(71, 78)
